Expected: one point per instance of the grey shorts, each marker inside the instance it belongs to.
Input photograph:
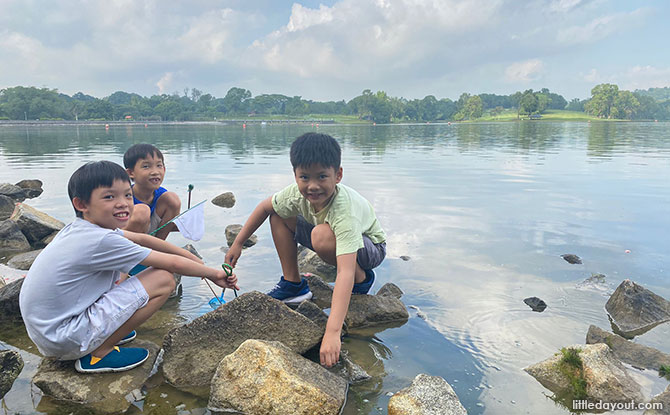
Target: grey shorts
(368, 257)
(87, 331)
(154, 221)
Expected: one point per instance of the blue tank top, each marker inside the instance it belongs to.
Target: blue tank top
(157, 193)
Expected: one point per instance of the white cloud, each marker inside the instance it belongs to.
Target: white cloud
(165, 83)
(644, 77)
(601, 27)
(592, 76)
(526, 71)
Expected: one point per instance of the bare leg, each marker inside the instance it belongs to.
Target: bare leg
(167, 207)
(323, 242)
(140, 219)
(158, 284)
(282, 235)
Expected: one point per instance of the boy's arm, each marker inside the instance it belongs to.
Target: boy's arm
(344, 283)
(184, 266)
(256, 219)
(160, 245)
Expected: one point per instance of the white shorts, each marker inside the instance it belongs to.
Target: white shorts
(87, 331)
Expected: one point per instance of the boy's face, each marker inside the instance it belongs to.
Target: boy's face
(109, 207)
(148, 172)
(317, 183)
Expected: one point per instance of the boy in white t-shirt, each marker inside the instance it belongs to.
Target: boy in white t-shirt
(71, 302)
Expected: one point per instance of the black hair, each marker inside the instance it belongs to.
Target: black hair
(92, 175)
(140, 151)
(315, 148)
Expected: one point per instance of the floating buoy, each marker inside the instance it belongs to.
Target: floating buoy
(244, 125)
(449, 123)
(317, 124)
(374, 123)
(107, 126)
(627, 251)
(312, 124)
(145, 125)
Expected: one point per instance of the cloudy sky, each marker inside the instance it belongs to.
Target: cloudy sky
(334, 49)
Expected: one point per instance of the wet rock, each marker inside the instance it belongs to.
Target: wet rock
(12, 240)
(390, 289)
(371, 310)
(224, 200)
(634, 309)
(34, 224)
(572, 258)
(12, 191)
(535, 304)
(606, 378)
(11, 365)
(628, 352)
(24, 261)
(405, 257)
(349, 370)
(193, 351)
(427, 395)
(31, 188)
(266, 377)
(663, 398)
(310, 262)
(101, 392)
(419, 313)
(322, 292)
(45, 241)
(233, 230)
(6, 207)
(9, 302)
(316, 314)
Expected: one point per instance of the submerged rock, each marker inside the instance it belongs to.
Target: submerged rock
(266, 377)
(101, 392)
(428, 395)
(224, 200)
(628, 352)
(12, 240)
(12, 191)
(25, 260)
(310, 262)
(405, 257)
(9, 303)
(606, 378)
(193, 351)
(535, 304)
(572, 258)
(34, 224)
(634, 309)
(11, 365)
(233, 230)
(390, 289)
(7, 205)
(349, 370)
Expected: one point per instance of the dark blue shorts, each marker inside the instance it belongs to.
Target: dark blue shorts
(368, 257)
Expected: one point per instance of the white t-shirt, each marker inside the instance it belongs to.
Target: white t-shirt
(81, 264)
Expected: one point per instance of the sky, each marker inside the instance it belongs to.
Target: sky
(333, 50)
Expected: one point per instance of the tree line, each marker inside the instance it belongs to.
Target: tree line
(607, 101)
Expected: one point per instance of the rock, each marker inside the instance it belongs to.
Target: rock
(24, 261)
(11, 365)
(9, 302)
(536, 304)
(12, 191)
(314, 313)
(266, 377)
(628, 352)
(390, 289)
(224, 200)
(405, 257)
(310, 262)
(634, 309)
(371, 310)
(664, 399)
(572, 258)
(349, 370)
(428, 395)
(322, 292)
(178, 288)
(606, 378)
(101, 392)
(31, 188)
(12, 240)
(231, 234)
(45, 241)
(34, 224)
(193, 351)
(7, 205)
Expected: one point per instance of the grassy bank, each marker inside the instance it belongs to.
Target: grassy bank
(549, 115)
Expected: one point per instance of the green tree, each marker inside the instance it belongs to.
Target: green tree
(529, 103)
(473, 108)
(235, 100)
(602, 99)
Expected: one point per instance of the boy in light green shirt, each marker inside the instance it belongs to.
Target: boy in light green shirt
(327, 217)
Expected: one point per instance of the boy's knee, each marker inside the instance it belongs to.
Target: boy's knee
(322, 237)
(171, 201)
(140, 219)
(158, 282)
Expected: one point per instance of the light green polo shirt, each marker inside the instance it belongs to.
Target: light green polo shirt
(348, 213)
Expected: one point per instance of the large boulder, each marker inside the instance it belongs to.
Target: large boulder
(322, 292)
(664, 400)
(101, 392)
(266, 377)
(7, 205)
(428, 395)
(635, 310)
(12, 240)
(25, 260)
(233, 230)
(606, 378)
(628, 352)
(31, 188)
(11, 365)
(310, 262)
(34, 224)
(193, 351)
(224, 200)
(9, 303)
(12, 191)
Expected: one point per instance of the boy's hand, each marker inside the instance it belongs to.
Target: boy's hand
(330, 349)
(233, 255)
(225, 281)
